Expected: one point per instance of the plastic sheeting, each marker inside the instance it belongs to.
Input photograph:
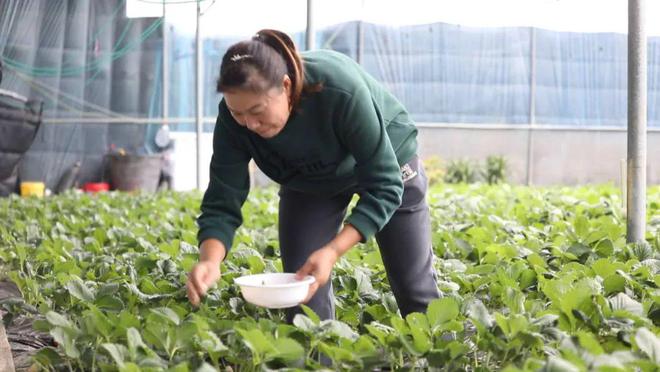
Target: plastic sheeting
(454, 74)
(85, 58)
(82, 59)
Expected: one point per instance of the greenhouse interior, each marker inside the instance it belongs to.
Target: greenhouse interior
(338, 185)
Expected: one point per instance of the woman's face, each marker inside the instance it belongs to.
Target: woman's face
(262, 113)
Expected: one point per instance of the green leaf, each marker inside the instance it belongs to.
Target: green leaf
(579, 250)
(211, 342)
(527, 279)
(142, 296)
(555, 364)
(337, 354)
(338, 329)
(457, 349)
(287, 349)
(604, 268)
(453, 326)
(581, 226)
(148, 287)
(364, 346)
(167, 314)
(477, 311)
(256, 264)
(614, 283)
(377, 311)
(310, 314)
(130, 367)
(205, 367)
(256, 341)
(503, 323)
(648, 343)
(418, 321)
(572, 299)
(187, 248)
(100, 236)
(623, 302)
(134, 342)
(117, 352)
(111, 303)
(589, 342)
(545, 320)
(605, 248)
(442, 310)
(58, 320)
(535, 260)
(399, 325)
(101, 322)
(304, 323)
(48, 356)
(171, 249)
(421, 340)
(379, 331)
(419, 329)
(642, 250)
(108, 289)
(181, 367)
(66, 340)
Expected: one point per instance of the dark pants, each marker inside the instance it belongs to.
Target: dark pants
(308, 222)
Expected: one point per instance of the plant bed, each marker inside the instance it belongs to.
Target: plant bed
(531, 278)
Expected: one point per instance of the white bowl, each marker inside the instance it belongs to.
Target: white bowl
(274, 290)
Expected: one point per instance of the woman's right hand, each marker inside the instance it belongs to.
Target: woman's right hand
(207, 271)
(201, 278)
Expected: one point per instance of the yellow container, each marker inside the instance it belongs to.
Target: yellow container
(32, 189)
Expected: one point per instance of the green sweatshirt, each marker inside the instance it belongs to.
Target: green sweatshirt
(353, 135)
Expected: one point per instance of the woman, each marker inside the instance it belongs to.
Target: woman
(323, 129)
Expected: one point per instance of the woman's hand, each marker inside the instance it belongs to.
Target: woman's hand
(207, 271)
(319, 265)
(201, 278)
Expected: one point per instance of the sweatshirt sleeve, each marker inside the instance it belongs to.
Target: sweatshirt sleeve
(229, 184)
(362, 130)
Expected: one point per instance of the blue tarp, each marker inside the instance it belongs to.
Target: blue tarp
(452, 74)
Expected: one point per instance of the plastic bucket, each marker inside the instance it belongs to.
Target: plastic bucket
(135, 172)
(94, 187)
(32, 189)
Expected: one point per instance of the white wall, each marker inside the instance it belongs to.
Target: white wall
(566, 157)
(184, 160)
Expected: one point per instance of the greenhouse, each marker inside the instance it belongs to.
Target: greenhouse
(373, 185)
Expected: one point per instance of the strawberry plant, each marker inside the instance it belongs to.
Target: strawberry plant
(531, 279)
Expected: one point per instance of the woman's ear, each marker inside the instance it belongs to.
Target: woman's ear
(286, 84)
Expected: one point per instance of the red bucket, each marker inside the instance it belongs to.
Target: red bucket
(94, 187)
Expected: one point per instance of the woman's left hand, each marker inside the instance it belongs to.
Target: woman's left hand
(319, 265)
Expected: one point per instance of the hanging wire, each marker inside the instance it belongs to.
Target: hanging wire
(201, 13)
(73, 71)
(50, 91)
(119, 40)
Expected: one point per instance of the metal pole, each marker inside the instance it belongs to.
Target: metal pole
(532, 106)
(309, 35)
(360, 42)
(199, 98)
(166, 69)
(637, 74)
